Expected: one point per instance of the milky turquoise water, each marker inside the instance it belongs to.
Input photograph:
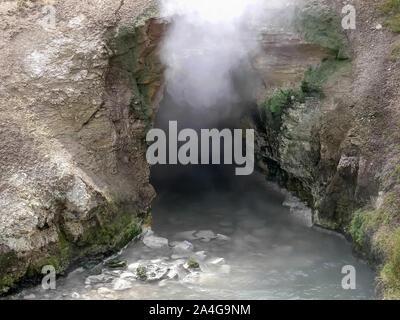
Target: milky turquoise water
(266, 253)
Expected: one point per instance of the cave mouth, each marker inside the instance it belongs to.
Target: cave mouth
(247, 243)
(194, 178)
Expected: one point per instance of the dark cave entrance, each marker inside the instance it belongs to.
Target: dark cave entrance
(191, 179)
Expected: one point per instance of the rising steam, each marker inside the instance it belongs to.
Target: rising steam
(206, 42)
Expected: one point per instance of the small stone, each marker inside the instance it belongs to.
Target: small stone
(95, 279)
(378, 26)
(206, 235)
(155, 272)
(116, 263)
(133, 266)
(222, 237)
(105, 292)
(173, 273)
(127, 275)
(217, 261)
(192, 277)
(155, 242)
(30, 296)
(182, 247)
(122, 284)
(75, 295)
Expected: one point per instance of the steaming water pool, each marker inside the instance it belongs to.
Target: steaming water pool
(261, 251)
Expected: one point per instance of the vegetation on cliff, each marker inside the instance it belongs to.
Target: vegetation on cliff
(391, 9)
(320, 25)
(376, 236)
(311, 87)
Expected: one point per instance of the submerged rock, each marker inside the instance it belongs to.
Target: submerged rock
(187, 235)
(95, 279)
(217, 261)
(156, 272)
(222, 237)
(122, 284)
(192, 277)
(205, 235)
(75, 295)
(184, 247)
(116, 263)
(155, 242)
(105, 292)
(133, 266)
(173, 273)
(127, 275)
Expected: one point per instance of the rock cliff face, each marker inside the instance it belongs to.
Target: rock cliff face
(76, 102)
(328, 123)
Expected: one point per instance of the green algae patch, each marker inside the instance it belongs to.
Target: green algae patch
(193, 264)
(364, 220)
(141, 272)
(389, 6)
(277, 103)
(112, 230)
(319, 25)
(7, 280)
(315, 78)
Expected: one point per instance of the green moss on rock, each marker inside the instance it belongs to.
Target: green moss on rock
(390, 273)
(112, 229)
(314, 78)
(7, 279)
(320, 25)
(276, 104)
(393, 23)
(391, 9)
(311, 86)
(137, 59)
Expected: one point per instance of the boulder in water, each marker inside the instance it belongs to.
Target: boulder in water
(154, 242)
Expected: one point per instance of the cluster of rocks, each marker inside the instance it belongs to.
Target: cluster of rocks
(184, 265)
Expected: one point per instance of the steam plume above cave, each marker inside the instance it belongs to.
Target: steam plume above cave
(206, 43)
